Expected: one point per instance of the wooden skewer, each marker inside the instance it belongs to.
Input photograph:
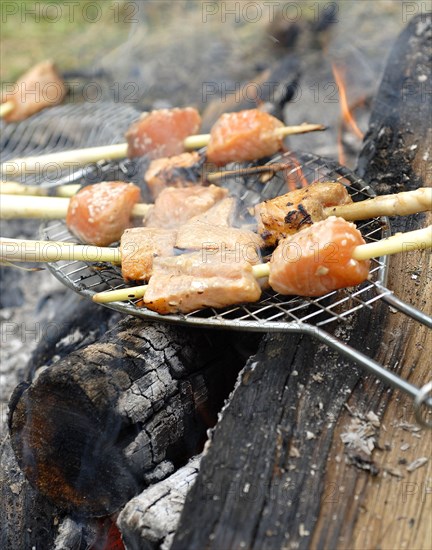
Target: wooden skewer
(80, 157)
(420, 239)
(398, 204)
(17, 250)
(16, 188)
(6, 108)
(49, 208)
(21, 250)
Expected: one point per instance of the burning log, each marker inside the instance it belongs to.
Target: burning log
(92, 430)
(270, 478)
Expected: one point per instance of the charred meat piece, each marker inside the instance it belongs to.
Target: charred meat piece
(318, 260)
(244, 136)
(98, 214)
(242, 244)
(38, 88)
(180, 171)
(175, 206)
(139, 247)
(161, 133)
(188, 282)
(277, 218)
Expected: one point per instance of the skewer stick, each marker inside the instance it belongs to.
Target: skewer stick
(20, 250)
(64, 159)
(420, 239)
(398, 204)
(80, 157)
(120, 295)
(6, 108)
(198, 141)
(50, 208)
(16, 188)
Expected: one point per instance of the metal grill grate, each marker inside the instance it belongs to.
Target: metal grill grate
(273, 311)
(73, 126)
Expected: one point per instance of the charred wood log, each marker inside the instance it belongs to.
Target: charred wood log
(97, 426)
(273, 476)
(150, 519)
(26, 517)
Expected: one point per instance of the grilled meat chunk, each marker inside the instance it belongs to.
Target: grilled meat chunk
(318, 259)
(244, 136)
(139, 247)
(38, 88)
(98, 214)
(188, 282)
(175, 206)
(282, 216)
(179, 171)
(220, 240)
(222, 213)
(161, 133)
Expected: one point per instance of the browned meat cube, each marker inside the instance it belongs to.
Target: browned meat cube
(179, 171)
(285, 215)
(186, 283)
(139, 247)
(38, 88)
(175, 206)
(162, 132)
(219, 240)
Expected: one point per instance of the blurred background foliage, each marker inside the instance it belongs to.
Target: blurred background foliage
(71, 32)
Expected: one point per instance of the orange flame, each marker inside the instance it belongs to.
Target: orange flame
(347, 117)
(294, 175)
(346, 113)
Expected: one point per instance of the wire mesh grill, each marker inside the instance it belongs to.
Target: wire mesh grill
(273, 311)
(74, 126)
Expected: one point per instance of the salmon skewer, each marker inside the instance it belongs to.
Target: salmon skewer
(277, 218)
(99, 214)
(328, 256)
(168, 132)
(325, 274)
(37, 89)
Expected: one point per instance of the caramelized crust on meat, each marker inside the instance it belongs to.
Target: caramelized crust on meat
(282, 216)
(175, 206)
(140, 246)
(189, 282)
(178, 171)
(38, 88)
(161, 133)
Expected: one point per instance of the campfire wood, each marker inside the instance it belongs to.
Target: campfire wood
(307, 409)
(275, 474)
(91, 429)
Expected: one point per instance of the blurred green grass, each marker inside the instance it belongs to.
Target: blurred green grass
(73, 33)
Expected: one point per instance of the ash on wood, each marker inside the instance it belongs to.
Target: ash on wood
(150, 519)
(93, 429)
(274, 476)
